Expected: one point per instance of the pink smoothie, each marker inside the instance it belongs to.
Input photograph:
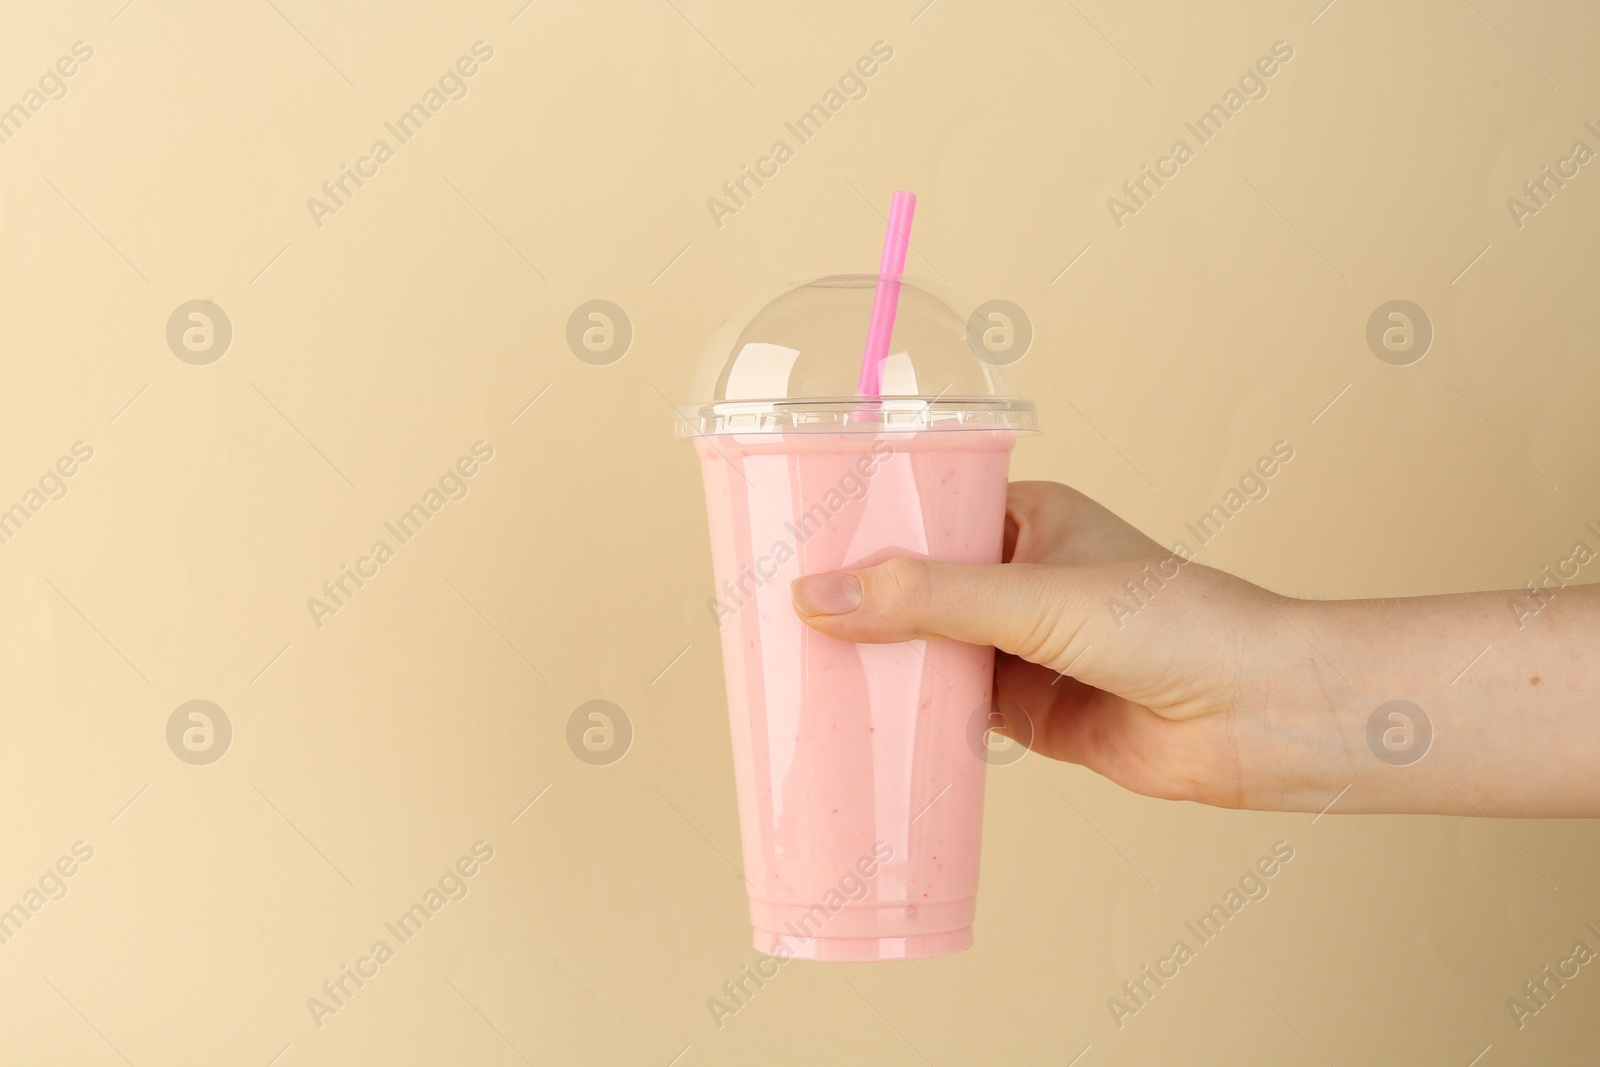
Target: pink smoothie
(860, 796)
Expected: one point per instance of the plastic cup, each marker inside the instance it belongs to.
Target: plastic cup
(860, 791)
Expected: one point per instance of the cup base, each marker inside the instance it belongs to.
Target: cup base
(865, 949)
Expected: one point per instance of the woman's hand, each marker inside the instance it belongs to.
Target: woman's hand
(1179, 681)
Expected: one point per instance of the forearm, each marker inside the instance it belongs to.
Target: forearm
(1513, 710)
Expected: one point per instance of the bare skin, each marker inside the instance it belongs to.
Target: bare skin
(1220, 692)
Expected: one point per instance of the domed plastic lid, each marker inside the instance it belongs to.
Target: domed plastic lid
(792, 362)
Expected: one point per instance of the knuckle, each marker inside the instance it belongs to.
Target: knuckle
(900, 587)
(1047, 633)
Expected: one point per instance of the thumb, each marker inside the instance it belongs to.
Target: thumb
(1021, 608)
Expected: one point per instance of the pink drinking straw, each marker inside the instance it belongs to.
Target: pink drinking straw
(887, 299)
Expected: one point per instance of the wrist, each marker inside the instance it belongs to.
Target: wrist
(1420, 705)
(1310, 744)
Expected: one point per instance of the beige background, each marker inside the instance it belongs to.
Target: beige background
(369, 353)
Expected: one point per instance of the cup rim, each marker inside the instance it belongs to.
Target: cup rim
(855, 414)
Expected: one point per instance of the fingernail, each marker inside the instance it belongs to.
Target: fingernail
(826, 594)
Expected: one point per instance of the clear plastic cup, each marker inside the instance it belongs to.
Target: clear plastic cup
(860, 787)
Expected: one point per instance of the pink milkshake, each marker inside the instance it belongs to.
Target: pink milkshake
(859, 768)
(860, 797)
